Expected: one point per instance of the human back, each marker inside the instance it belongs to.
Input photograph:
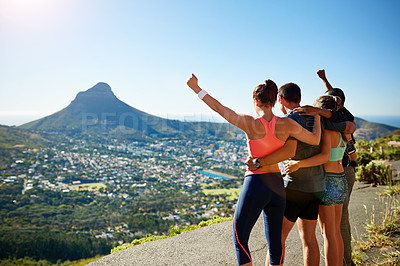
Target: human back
(337, 144)
(270, 132)
(265, 145)
(307, 179)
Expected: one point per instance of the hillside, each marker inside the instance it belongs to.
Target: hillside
(369, 130)
(11, 137)
(14, 141)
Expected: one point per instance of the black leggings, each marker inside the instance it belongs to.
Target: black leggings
(260, 192)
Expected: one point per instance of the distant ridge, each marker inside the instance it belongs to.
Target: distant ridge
(369, 130)
(98, 111)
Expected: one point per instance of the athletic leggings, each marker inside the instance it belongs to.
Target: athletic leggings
(260, 192)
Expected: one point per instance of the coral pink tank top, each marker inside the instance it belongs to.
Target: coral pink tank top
(259, 148)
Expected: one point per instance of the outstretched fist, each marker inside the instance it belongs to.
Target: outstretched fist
(193, 83)
(321, 74)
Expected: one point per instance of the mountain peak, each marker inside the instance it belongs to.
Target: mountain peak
(101, 87)
(100, 90)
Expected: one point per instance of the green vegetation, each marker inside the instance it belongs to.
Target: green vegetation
(381, 245)
(11, 137)
(14, 142)
(372, 167)
(29, 261)
(88, 187)
(375, 173)
(228, 193)
(392, 190)
(50, 245)
(384, 148)
(173, 232)
(128, 190)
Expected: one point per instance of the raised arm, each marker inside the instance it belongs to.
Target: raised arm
(318, 159)
(244, 122)
(321, 75)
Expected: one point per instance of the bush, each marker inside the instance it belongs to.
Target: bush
(364, 158)
(375, 173)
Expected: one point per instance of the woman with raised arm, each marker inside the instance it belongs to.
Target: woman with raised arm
(263, 189)
(330, 208)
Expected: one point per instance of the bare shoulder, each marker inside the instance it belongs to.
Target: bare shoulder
(248, 120)
(252, 126)
(282, 127)
(333, 135)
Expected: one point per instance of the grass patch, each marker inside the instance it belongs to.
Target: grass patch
(392, 190)
(231, 193)
(173, 232)
(381, 245)
(81, 262)
(88, 187)
(31, 261)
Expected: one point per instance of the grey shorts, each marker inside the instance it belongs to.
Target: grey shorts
(335, 189)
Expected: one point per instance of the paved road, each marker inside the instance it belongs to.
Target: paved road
(213, 245)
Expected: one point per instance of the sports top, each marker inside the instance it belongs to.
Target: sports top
(337, 153)
(268, 144)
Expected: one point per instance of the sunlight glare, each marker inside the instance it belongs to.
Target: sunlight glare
(28, 13)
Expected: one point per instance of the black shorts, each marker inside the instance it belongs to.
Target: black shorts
(302, 205)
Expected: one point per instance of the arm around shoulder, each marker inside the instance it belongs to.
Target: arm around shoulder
(350, 127)
(286, 152)
(318, 159)
(297, 131)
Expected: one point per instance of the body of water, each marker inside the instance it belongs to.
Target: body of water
(213, 175)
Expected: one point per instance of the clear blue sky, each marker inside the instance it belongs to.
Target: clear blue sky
(145, 50)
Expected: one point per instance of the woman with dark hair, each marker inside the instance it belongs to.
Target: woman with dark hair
(263, 189)
(330, 208)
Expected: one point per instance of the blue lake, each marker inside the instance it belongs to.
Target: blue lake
(216, 176)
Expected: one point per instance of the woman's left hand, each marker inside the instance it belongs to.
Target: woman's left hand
(193, 83)
(291, 166)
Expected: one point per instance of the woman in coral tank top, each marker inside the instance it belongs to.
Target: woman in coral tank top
(263, 189)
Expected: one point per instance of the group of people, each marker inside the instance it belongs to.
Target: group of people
(299, 169)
